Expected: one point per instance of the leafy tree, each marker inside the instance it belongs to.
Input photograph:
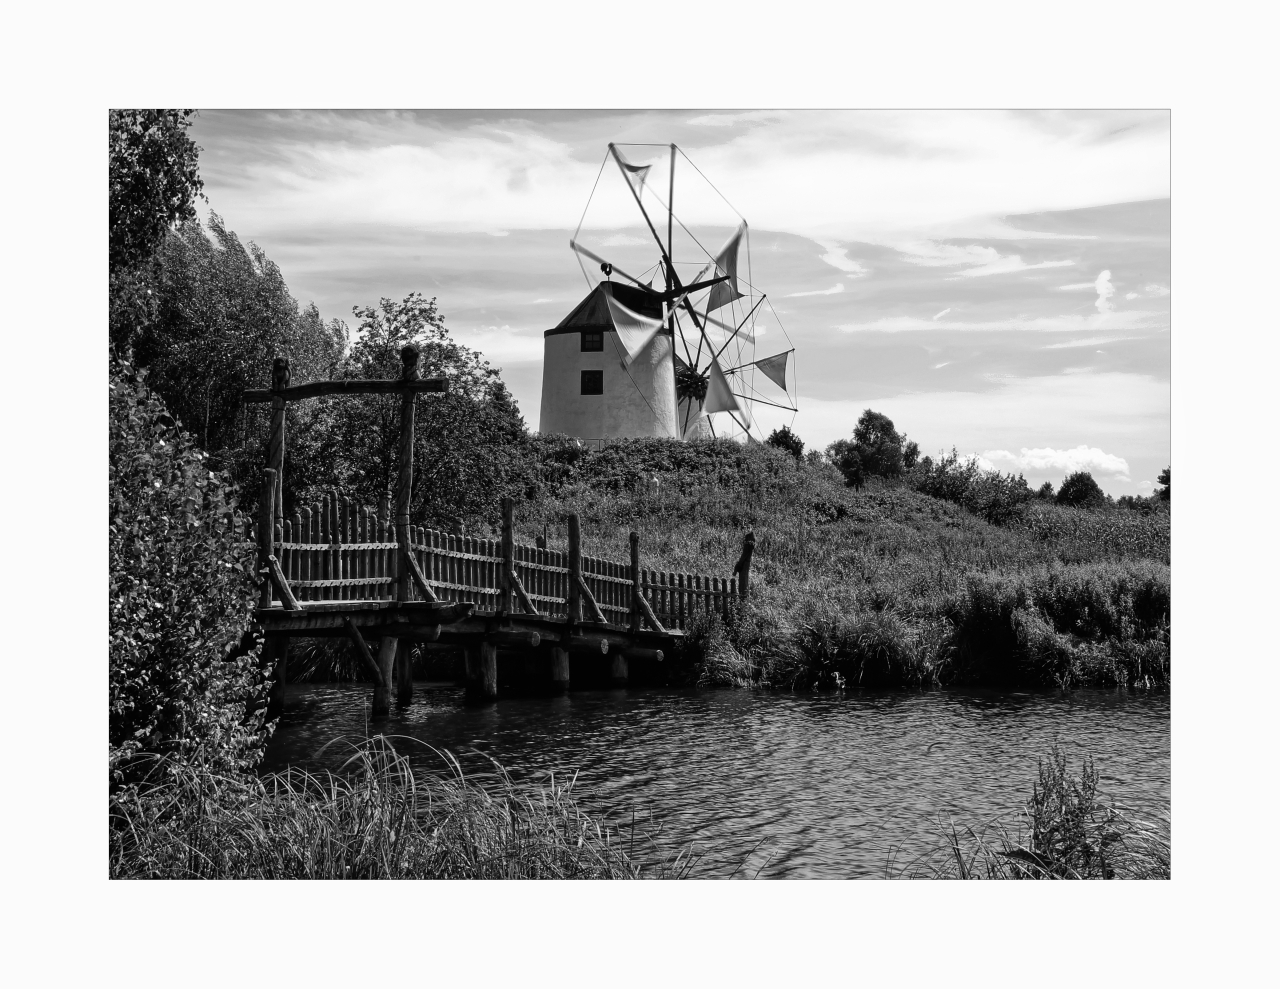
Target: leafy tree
(1163, 478)
(1045, 491)
(785, 439)
(844, 455)
(879, 445)
(185, 674)
(467, 443)
(1080, 490)
(153, 183)
(910, 455)
(223, 314)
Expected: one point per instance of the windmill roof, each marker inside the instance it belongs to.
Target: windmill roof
(592, 313)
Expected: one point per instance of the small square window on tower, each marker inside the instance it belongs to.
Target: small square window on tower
(592, 340)
(593, 382)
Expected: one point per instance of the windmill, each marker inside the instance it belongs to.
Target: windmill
(665, 343)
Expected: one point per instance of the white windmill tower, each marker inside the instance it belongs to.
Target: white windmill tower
(635, 359)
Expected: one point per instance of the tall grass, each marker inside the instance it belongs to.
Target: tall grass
(1067, 831)
(878, 587)
(375, 819)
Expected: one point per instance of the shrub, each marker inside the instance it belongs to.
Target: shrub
(185, 675)
(990, 495)
(785, 439)
(1080, 490)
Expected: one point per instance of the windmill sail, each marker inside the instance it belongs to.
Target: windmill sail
(776, 368)
(727, 264)
(634, 331)
(636, 174)
(719, 397)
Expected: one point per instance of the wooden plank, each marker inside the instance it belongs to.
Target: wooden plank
(282, 585)
(573, 597)
(507, 572)
(525, 602)
(404, 477)
(348, 386)
(424, 588)
(266, 528)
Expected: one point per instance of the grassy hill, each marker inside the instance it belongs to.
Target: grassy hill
(878, 587)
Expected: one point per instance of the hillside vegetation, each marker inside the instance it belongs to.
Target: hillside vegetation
(879, 586)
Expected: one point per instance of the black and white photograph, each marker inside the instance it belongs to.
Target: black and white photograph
(621, 494)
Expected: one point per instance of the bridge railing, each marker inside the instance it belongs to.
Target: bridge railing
(335, 550)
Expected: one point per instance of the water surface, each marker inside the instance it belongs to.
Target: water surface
(833, 783)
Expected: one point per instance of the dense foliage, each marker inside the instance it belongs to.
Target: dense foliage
(876, 450)
(1080, 490)
(784, 439)
(468, 444)
(184, 669)
(153, 183)
(989, 494)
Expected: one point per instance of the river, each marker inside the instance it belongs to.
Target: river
(833, 783)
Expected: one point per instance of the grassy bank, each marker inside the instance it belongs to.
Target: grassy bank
(878, 587)
(376, 819)
(1066, 832)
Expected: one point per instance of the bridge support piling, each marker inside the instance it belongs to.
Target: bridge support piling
(559, 670)
(386, 664)
(618, 673)
(404, 673)
(482, 671)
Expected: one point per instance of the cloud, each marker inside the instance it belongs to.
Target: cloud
(985, 260)
(1005, 265)
(500, 344)
(836, 257)
(1133, 319)
(624, 240)
(1077, 287)
(1086, 458)
(826, 291)
(943, 313)
(729, 119)
(1089, 342)
(1132, 295)
(1156, 290)
(943, 364)
(1105, 291)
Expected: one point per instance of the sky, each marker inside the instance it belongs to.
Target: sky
(993, 281)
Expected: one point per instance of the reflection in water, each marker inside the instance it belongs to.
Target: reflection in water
(832, 782)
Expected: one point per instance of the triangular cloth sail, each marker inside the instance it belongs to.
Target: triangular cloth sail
(776, 368)
(636, 174)
(634, 331)
(719, 397)
(727, 264)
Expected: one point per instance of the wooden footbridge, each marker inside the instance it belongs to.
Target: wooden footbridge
(336, 568)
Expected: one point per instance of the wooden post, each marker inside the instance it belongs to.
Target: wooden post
(404, 674)
(559, 670)
(482, 671)
(386, 664)
(508, 557)
(574, 597)
(404, 482)
(618, 669)
(275, 442)
(743, 567)
(266, 530)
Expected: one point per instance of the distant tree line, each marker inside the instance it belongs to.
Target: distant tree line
(878, 450)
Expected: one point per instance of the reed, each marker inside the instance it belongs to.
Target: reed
(1067, 831)
(377, 818)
